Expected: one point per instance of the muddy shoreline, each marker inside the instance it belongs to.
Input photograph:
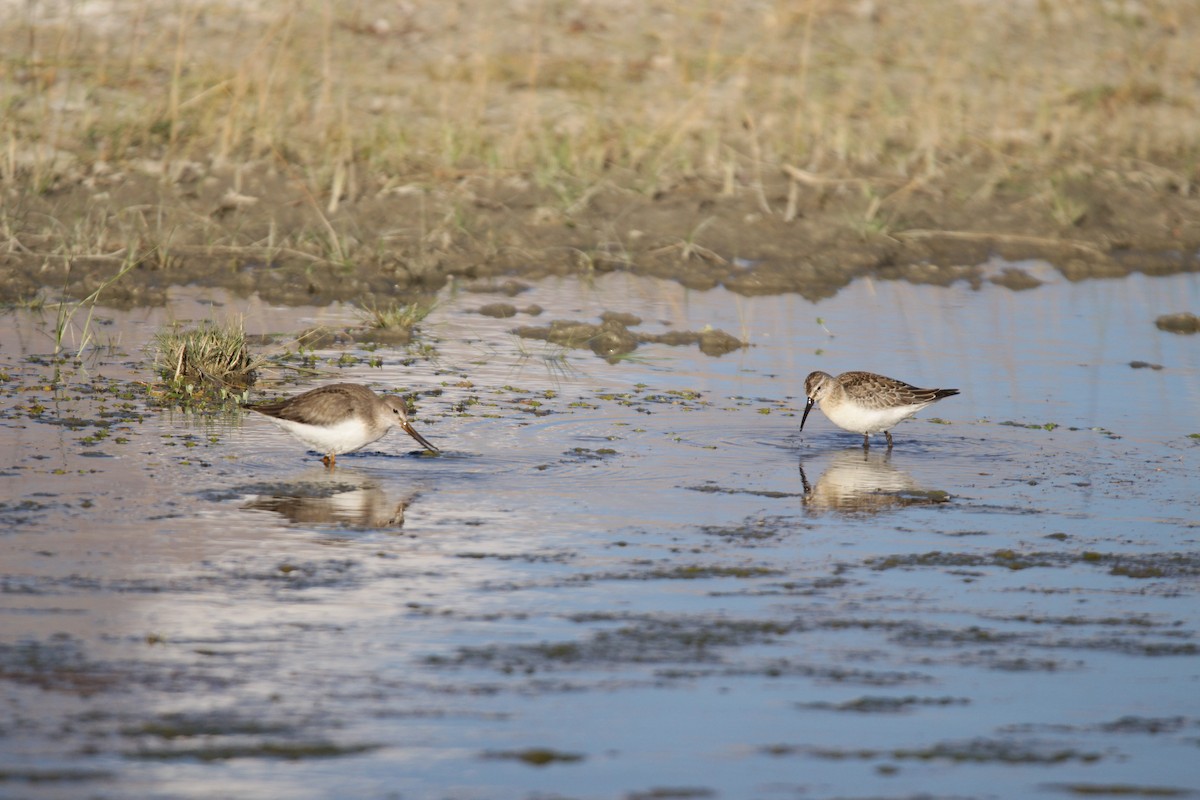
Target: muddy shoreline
(696, 233)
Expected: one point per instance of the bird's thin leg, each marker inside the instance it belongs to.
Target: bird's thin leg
(866, 441)
(888, 434)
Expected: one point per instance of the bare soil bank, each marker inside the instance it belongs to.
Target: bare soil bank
(198, 229)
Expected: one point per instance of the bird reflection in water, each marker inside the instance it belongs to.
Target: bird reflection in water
(858, 481)
(346, 499)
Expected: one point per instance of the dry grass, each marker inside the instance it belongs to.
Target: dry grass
(550, 89)
(372, 97)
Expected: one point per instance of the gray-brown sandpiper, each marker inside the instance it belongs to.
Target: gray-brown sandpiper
(340, 418)
(866, 403)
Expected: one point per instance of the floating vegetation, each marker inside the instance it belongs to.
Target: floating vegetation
(884, 705)
(286, 751)
(588, 454)
(976, 751)
(1183, 322)
(698, 571)
(713, 488)
(1119, 790)
(185, 726)
(1000, 558)
(1045, 426)
(1156, 565)
(1149, 725)
(536, 756)
(750, 530)
(651, 640)
(612, 339)
(48, 776)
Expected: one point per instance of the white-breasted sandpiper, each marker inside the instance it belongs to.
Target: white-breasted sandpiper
(340, 418)
(866, 403)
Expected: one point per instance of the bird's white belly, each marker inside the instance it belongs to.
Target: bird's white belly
(344, 437)
(861, 419)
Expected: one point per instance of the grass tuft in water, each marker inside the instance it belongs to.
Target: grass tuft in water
(397, 316)
(204, 366)
(66, 311)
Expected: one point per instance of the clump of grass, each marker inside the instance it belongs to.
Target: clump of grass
(392, 324)
(397, 316)
(205, 365)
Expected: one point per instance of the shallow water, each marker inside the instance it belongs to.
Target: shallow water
(620, 579)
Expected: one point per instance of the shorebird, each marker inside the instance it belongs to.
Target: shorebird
(340, 418)
(866, 403)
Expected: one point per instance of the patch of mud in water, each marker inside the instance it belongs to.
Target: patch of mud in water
(619, 576)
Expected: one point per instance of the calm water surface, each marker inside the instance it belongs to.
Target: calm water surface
(620, 579)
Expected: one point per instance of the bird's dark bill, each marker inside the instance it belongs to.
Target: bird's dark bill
(807, 409)
(411, 431)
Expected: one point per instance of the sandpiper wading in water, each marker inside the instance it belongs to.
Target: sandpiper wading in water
(340, 418)
(866, 403)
